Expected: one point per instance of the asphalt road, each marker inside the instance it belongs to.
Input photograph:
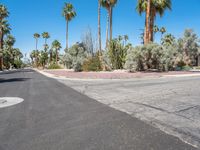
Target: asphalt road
(56, 117)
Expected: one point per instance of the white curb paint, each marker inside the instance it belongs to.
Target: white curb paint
(9, 101)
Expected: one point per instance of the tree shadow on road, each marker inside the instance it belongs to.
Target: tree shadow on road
(13, 80)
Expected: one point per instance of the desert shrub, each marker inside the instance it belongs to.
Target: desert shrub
(134, 59)
(152, 56)
(75, 57)
(54, 66)
(146, 57)
(92, 64)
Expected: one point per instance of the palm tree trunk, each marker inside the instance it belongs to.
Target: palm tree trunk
(152, 18)
(99, 25)
(36, 44)
(45, 42)
(107, 28)
(67, 24)
(111, 15)
(148, 12)
(50, 57)
(56, 56)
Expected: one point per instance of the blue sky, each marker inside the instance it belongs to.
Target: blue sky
(30, 16)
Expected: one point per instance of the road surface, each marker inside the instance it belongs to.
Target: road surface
(56, 117)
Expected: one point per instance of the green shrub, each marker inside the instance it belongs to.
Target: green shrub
(18, 64)
(198, 68)
(186, 68)
(92, 64)
(54, 66)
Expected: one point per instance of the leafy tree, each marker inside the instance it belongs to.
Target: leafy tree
(69, 13)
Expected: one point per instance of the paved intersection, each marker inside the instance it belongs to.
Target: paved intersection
(55, 117)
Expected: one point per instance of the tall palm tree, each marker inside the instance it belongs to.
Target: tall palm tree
(36, 36)
(145, 6)
(126, 38)
(105, 4)
(17, 54)
(158, 7)
(3, 14)
(9, 42)
(99, 24)
(46, 36)
(57, 46)
(5, 26)
(69, 13)
(162, 31)
(151, 9)
(109, 4)
(155, 30)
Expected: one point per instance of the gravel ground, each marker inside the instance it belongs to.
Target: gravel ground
(115, 74)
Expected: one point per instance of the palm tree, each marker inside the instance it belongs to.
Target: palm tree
(36, 36)
(162, 31)
(5, 29)
(109, 4)
(159, 7)
(37, 55)
(99, 24)
(9, 42)
(152, 8)
(168, 40)
(144, 6)
(155, 29)
(57, 46)
(3, 14)
(69, 13)
(126, 38)
(105, 4)
(46, 36)
(17, 54)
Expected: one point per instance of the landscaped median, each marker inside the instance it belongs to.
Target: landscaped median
(115, 74)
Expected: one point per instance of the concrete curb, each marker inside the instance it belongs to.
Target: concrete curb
(183, 75)
(93, 79)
